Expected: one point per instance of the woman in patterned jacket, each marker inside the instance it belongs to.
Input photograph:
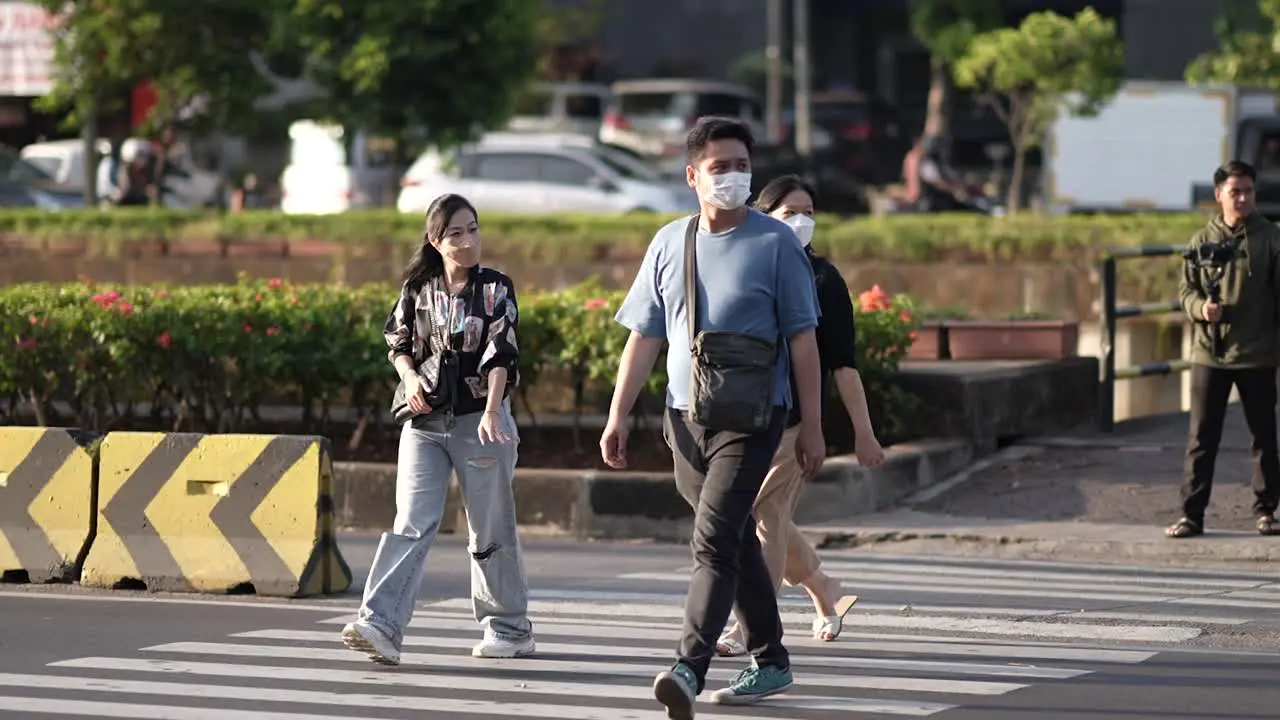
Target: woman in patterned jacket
(452, 335)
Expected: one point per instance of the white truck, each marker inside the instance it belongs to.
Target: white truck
(1155, 146)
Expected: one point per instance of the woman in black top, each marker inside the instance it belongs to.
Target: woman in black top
(452, 338)
(786, 552)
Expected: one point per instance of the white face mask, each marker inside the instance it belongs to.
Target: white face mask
(729, 191)
(803, 227)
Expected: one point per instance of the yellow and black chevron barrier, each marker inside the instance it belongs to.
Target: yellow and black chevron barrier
(46, 502)
(185, 512)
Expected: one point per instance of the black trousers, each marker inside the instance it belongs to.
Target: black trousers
(1210, 390)
(719, 474)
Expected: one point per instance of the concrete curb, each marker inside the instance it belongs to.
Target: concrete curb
(592, 504)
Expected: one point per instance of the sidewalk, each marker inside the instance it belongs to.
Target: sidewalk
(1087, 497)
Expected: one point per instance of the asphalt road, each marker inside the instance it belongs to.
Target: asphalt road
(945, 638)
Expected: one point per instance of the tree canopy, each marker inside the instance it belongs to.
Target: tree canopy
(436, 70)
(442, 70)
(1249, 58)
(946, 27)
(1030, 73)
(196, 55)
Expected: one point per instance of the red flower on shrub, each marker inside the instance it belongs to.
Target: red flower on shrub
(162, 293)
(275, 283)
(257, 297)
(247, 328)
(27, 344)
(596, 304)
(273, 331)
(904, 316)
(125, 308)
(107, 300)
(874, 299)
(165, 339)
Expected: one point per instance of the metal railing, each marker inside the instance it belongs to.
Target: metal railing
(1111, 313)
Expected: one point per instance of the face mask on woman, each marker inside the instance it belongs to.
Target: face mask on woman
(803, 227)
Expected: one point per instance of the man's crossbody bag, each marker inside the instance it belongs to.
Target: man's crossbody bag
(732, 374)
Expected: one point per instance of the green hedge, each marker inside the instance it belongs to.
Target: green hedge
(208, 357)
(558, 237)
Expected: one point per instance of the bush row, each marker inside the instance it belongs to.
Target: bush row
(207, 358)
(937, 237)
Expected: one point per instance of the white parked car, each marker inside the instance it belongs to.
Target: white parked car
(186, 186)
(542, 174)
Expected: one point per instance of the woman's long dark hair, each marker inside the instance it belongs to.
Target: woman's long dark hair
(772, 195)
(427, 262)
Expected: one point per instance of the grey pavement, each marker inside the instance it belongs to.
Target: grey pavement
(943, 637)
(1088, 497)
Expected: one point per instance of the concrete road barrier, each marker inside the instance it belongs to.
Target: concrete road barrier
(185, 512)
(46, 502)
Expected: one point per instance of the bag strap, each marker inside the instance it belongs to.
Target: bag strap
(690, 275)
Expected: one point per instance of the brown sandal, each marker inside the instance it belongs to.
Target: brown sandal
(1187, 527)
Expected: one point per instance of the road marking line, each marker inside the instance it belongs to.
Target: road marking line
(606, 668)
(639, 630)
(129, 711)
(803, 604)
(511, 685)
(1032, 576)
(1141, 571)
(434, 703)
(1045, 591)
(1225, 601)
(1079, 631)
(925, 648)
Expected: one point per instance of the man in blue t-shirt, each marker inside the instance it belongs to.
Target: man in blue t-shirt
(753, 277)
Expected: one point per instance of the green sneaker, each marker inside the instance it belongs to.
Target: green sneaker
(753, 685)
(676, 688)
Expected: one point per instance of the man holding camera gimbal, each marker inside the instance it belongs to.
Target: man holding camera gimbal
(1229, 289)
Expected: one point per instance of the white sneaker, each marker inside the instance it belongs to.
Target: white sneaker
(496, 647)
(365, 639)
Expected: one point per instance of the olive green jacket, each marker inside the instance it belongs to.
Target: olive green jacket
(1250, 287)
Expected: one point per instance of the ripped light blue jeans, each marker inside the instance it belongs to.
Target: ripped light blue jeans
(429, 454)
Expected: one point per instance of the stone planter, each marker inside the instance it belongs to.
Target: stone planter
(1012, 339)
(930, 342)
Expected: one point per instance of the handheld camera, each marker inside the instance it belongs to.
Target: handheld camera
(1213, 258)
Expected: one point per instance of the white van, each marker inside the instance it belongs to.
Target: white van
(332, 171)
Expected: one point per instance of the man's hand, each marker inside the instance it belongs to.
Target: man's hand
(1212, 311)
(811, 449)
(613, 443)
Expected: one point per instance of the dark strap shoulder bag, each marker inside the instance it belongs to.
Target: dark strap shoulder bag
(732, 374)
(439, 370)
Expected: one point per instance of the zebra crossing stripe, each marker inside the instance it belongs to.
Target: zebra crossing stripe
(1049, 652)
(432, 703)
(612, 667)
(986, 626)
(480, 683)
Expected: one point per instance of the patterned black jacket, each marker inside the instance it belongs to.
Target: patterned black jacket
(483, 320)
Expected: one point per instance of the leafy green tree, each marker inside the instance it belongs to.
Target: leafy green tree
(196, 55)
(1030, 73)
(1249, 58)
(945, 28)
(433, 72)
